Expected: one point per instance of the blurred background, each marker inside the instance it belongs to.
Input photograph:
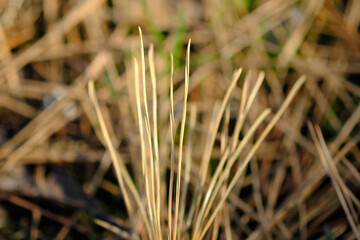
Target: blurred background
(56, 179)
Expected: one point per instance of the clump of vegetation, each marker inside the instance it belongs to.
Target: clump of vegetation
(208, 200)
(95, 143)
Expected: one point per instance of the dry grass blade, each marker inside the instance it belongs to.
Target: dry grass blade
(142, 144)
(172, 151)
(149, 158)
(122, 176)
(181, 141)
(240, 121)
(155, 136)
(188, 160)
(337, 181)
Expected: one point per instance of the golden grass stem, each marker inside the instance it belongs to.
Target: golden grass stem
(181, 142)
(155, 136)
(172, 152)
(122, 177)
(188, 160)
(149, 149)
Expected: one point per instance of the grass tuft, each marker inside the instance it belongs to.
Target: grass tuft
(212, 199)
